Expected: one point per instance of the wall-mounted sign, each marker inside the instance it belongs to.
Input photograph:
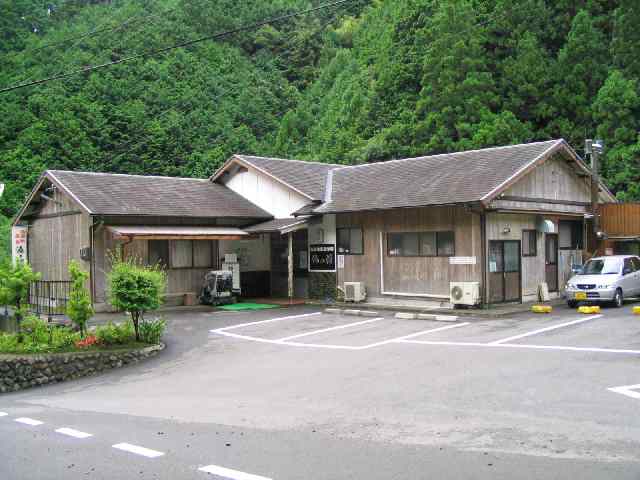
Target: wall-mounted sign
(322, 257)
(462, 260)
(19, 244)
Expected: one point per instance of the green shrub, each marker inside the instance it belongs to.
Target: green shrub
(16, 280)
(39, 337)
(135, 288)
(114, 334)
(151, 331)
(79, 308)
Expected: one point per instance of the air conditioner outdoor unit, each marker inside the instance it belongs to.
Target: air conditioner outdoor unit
(464, 293)
(354, 292)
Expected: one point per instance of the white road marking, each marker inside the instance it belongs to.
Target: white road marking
(543, 330)
(260, 322)
(231, 474)
(145, 452)
(3, 414)
(73, 433)
(627, 390)
(525, 346)
(330, 329)
(29, 421)
(413, 335)
(335, 347)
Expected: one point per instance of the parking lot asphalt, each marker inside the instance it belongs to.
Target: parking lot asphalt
(297, 393)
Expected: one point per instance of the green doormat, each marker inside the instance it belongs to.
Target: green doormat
(247, 306)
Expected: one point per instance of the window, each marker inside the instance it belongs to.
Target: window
(182, 253)
(350, 241)
(446, 244)
(159, 252)
(203, 256)
(570, 235)
(529, 243)
(636, 263)
(626, 248)
(421, 244)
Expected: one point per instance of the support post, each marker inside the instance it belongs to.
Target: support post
(290, 265)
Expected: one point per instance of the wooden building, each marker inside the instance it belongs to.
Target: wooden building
(620, 223)
(507, 218)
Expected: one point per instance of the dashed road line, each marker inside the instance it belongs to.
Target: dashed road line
(3, 414)
(628, 390)
(70, 432)
(543, 330)
(28, 421)
(145, 452)
(330, 329)
(230, 474)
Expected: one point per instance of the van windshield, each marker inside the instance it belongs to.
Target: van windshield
(607, 266)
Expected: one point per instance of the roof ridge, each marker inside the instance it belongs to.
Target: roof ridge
(126, 175)
(291, 160)
(503, 147)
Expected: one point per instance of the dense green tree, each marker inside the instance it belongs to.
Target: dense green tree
(616, 111)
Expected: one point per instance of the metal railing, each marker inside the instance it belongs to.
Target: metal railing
(49, 297)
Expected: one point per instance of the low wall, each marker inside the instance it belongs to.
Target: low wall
(23, 371)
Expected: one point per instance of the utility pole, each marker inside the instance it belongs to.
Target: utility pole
(594, 148)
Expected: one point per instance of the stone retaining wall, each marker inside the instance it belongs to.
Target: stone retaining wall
(23, 371)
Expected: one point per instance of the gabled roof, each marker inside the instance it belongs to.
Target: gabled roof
(115, 194)
(307, 178)
(475, 176)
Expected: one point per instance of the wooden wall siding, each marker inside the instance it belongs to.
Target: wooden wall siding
(412, 275)
(553, 180)
(533, 268)
(620, 219)
(539, 207)
(54, 242)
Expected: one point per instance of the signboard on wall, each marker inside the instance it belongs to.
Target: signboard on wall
(19, 244)
(322, 257)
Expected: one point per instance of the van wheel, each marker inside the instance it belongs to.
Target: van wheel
(572, 303)
(618, 299)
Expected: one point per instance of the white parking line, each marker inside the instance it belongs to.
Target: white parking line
(3, 414)
(231, 474)
(330, 329)
(627, 390)
(145, 452)
(542, 330)
(413, 335)
(29, 421)
(525, 346)
(70, 432)
(260, 322)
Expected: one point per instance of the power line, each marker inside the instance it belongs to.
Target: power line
(100, 29)
(138, 142)
(188, 43)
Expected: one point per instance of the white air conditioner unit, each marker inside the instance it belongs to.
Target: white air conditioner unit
(354, 292)
(464, 293)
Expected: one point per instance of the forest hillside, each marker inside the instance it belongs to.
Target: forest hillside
(363, 81)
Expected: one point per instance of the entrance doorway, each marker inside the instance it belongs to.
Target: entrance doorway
(551, 261)
(504, 271)
(280, 265)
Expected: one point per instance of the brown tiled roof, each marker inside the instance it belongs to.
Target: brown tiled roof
(114, 194)
(306, 177)
(451, 178)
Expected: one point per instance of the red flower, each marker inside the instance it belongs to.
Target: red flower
(87, 342)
